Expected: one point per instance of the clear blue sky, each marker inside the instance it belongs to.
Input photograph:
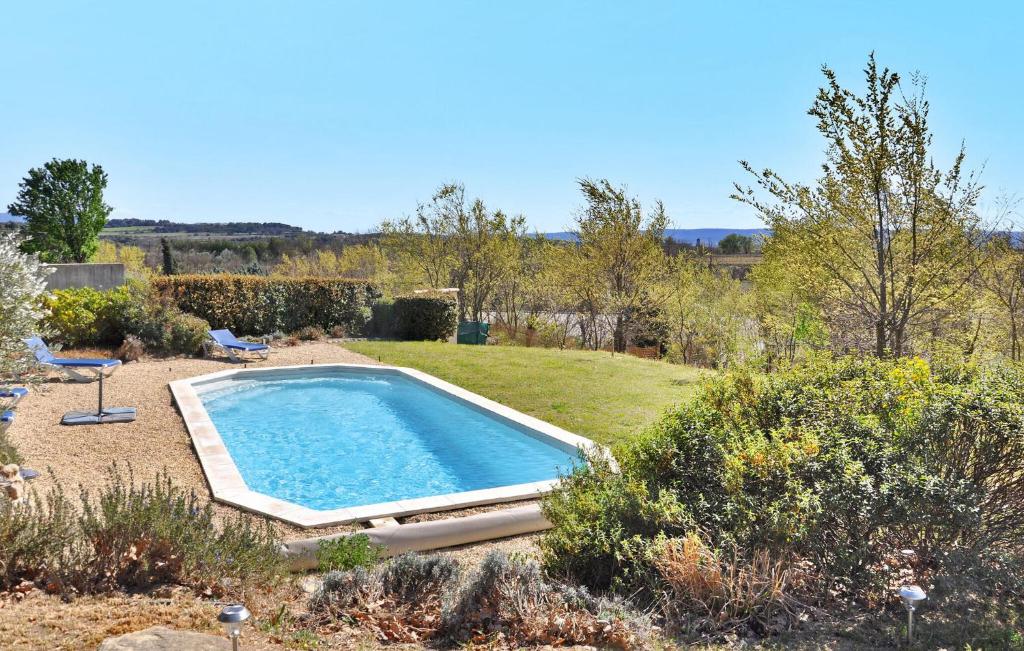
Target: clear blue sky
(334, 115)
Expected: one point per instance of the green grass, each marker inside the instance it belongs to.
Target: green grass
(592, 394)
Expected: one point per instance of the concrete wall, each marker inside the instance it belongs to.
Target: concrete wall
(97, 276)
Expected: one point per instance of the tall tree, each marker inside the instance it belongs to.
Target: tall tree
(62, 203)
(618, 258)
(886, 238)
(169, 265)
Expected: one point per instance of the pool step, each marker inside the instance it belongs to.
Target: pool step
(383, 522)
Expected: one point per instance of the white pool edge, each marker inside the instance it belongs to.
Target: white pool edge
(227, 486)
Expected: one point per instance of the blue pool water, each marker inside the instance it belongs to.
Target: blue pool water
(331, 439)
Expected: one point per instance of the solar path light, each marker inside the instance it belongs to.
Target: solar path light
(911, 596)
(232, 617)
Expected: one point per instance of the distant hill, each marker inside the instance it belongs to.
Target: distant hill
(8, 217)
(209, 228)
(707, 236)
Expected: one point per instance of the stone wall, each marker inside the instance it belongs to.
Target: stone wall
(97, 276)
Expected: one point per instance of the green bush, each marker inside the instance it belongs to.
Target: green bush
(837, 462)
(382, 320)
(87, 317)
(257, 305)
(348, 553)
(425, 317)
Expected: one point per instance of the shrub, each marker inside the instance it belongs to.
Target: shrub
(836, 462)
(510, 599)
(415, 598)
(87, 317)
(8, 452)
(84, 316)
(185, 333)
(255, 305)
(709, 590)
(398, 601)
(382, 320)
(310, 333)
(132, 349)
(338, 332)
(37, 540)
(347, 553)
(22, 285)
(156, 533)
(425, 317)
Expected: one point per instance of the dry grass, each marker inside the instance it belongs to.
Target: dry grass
(708, 592)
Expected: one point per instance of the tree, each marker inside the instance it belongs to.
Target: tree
(886, 239)
(1003, 280)
(706, 312)
(734, 243)
(62, 203)
(452, 243)
(170, 267)
(618, 258)
(20, 292)
(132, 257)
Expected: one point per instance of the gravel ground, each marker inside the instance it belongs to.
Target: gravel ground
(157, 440)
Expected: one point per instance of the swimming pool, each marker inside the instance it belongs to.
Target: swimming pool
(335, 443)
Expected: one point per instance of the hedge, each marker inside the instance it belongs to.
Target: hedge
(425, 317)
(257, 305)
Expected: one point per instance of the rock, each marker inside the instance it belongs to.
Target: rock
(159, 638)
(311, 584)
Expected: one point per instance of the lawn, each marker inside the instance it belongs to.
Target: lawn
(603, 397)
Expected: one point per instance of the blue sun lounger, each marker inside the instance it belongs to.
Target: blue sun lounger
(76, 369)
(234, 347)
(6, 419)
(12, 395)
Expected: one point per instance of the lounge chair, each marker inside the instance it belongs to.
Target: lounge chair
(6, 419)
(233, 347)
(76, 369)
(12, 395)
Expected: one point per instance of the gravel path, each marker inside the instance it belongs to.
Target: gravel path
(157, 440)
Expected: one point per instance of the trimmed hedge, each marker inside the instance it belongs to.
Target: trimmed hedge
(256, 305)
(425, 317)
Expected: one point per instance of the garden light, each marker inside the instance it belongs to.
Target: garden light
(911, 595)
(232, 617)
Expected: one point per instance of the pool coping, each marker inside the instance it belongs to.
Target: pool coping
(227, 486)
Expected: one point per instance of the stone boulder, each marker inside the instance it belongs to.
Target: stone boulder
(159, 638)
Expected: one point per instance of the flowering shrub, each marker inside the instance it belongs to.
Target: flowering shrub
(22, 284)
(257, 305)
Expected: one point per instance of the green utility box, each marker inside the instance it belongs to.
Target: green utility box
(473, 332)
